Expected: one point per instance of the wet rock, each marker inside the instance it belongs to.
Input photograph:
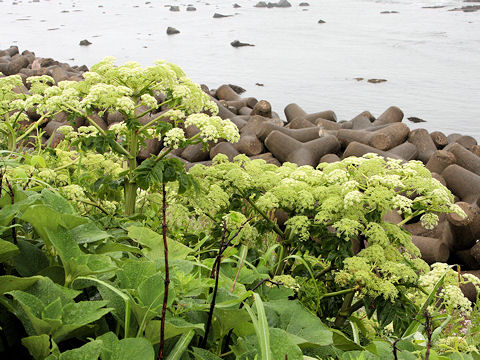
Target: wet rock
(416, 119)
(469, 8)
(283, 4)
(389, 12)
(259, 84)
(172, 31)
(376, 81)
(191, 8)
(85, 42)
(304, 4)
(237, 43)
(218, 16)
(236, 6)
(322, 22)
(261, 4)
(237, 89)
(174, 8)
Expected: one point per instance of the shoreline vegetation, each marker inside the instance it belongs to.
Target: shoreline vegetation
(137, 223)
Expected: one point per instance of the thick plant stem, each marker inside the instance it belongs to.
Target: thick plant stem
(167, 273)
(131, 186)
(344, 310)
(216, 273)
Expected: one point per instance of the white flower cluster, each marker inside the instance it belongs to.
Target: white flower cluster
(402, 203)
(337, 176)
(352, 198)
(175, 115)
(119, 128)
(387, 180)
(174, 138)
(429, 221)
(125, 105)
(213, 128)
(88, 131)
(149, 101)
(453, 298)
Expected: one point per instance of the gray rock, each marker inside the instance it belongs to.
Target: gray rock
(236, 6)
(172, 31)
(191, 8)
(85, 43)
(321, 21)
(174, 8)
(261, 4)
(304, 4)
(237, 43)
(218, 16)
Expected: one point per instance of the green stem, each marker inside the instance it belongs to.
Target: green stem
(32, 127)
(404, 221)
(131, 185)
(127, 318)
(341, 292)
(275, 226)
(281, 257)
(116, 146)
(343, 314)
(324, 271)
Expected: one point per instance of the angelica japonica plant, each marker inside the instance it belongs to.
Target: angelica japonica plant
(156, 102)
(329, 209)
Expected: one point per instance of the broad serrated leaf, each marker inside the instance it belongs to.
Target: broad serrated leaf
(7, 250)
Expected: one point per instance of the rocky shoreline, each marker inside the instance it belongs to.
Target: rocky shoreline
(309, 139)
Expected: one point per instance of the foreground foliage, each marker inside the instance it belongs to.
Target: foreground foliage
(105, 258)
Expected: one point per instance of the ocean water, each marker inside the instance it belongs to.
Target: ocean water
(430, 57)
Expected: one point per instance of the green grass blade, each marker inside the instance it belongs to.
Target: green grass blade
(181, 345)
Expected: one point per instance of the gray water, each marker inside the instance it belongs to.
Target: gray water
(430, 56)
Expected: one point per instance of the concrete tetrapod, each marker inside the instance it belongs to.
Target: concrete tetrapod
(293, 111)
(424, 143)
(466, 230)
(464, 157)
(433, 250)
(439, 139)
(382, 139)
(302, 135)
(392, 115)
(359, 149)
(406, 151)
(286, 148)
(299, 123)
(439, 160)
(463, 183)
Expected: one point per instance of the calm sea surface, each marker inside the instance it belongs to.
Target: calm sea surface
(430, 56)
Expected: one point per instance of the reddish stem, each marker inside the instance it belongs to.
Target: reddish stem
(167, 272)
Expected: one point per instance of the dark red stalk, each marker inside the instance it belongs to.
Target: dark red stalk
(167, 272)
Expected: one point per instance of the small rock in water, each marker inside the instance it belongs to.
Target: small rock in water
(259, 84)
(174, 8)
(191, 8)
(172, 31)
(236, 6)
(389, 12)
(321, 21)
(469, 8)
(358, 78)
(217, 16)
(283, 4)
(416, 119)
(261, 4)
(304, 4)
(238, 89)
(237, 43)
(376, 81)
(85, 43)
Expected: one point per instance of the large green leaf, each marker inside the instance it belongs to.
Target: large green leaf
(202, 354)
(74, 260)
(89, 351)
(31, 259)
(38, 346)
(88, 233)
(43, 217)
(10, 282)
(133, 272)
(173, 327)
(130, 348)
(57, 202)
(304, 327)
(7, 250)
(154, 243)
(283, 347)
